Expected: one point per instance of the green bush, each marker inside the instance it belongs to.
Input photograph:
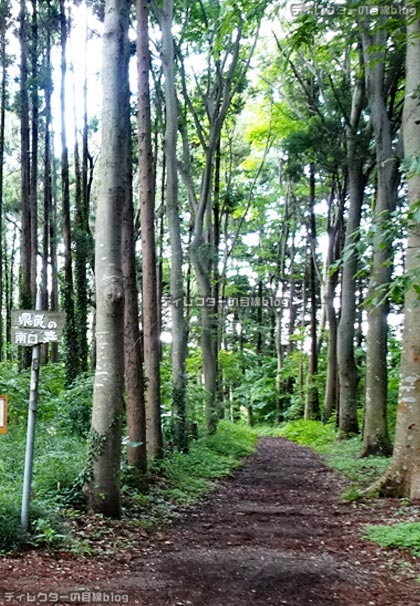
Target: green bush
(46, 526)
(309, 433)
(73, 407)
(10, 533)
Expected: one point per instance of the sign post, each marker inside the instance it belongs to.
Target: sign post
(31, 328)
(30, 439)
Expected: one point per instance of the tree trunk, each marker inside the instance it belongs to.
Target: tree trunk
(47, 184)
(70, 333)
(402, 478)
(147, 216)
(34, 150)
(82, 237)
(3, 99)
(104, 488)
(333, 254)
(348, 372)
(312, 410)
(179, 326)
(26, 255)
(53, 251)
(217, 281)
(375, 431)
(133, 350)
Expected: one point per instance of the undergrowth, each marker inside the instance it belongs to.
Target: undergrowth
(179, 479)
(405, 535)
(182, 479)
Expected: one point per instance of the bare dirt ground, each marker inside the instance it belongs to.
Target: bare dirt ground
(276, 533)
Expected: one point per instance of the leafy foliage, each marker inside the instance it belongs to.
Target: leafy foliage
(405, 535)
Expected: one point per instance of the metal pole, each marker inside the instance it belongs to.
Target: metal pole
(30, 435)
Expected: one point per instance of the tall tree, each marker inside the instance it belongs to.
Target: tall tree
(47, 171)
(4, 17)
(229, 55)
(402, 478)
(312, 409)
(375, 431)
(47, 203)
(70, 333)
(133, 353)
(334, 231)
(348, 371)
(82, 235)
(34, 149)
(151, 329)
(104, 488)
(179, 325)
(25, 163)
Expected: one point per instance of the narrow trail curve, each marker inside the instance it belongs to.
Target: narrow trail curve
(276, 533)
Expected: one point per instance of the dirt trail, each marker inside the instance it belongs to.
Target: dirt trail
(276, 533)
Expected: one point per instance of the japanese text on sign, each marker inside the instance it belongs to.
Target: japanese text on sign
(35, 327)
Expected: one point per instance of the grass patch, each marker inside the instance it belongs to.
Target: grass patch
(179, 479)
(182, 479)
(58, 458)
(188, 476)
(341, 455)
(405, 535)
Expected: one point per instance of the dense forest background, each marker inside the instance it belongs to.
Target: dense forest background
(221, 206)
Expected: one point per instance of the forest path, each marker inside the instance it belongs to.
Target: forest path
(276, 533)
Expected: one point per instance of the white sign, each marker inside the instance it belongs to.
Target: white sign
(31, 327)
(3, 414)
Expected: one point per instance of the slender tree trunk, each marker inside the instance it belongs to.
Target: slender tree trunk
(147, 215)
(312, 409)
(104, 488)
(80, 258)
(199, 255)
(219, 89)
(82, 232)
(375, 431)
(133, 354)
(34, 151)
(53, 250)
(10, 287)
(70, 333)
(179, 326)
(3, 100)
(402, 478)
(348, 372)
(47, 183)
(26, 254)
(333, 254)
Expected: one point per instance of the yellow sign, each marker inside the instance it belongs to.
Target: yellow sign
(3, 414)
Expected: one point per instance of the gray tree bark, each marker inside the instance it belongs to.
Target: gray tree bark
(179, 325)
(104, 488)
(402, 478)
(334, 252)
(312, 409)
(348, 372)
(151, 328)
(25, 162)
(375, 431)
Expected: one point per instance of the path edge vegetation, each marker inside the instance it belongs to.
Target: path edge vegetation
(344, 457)
(172, 483)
